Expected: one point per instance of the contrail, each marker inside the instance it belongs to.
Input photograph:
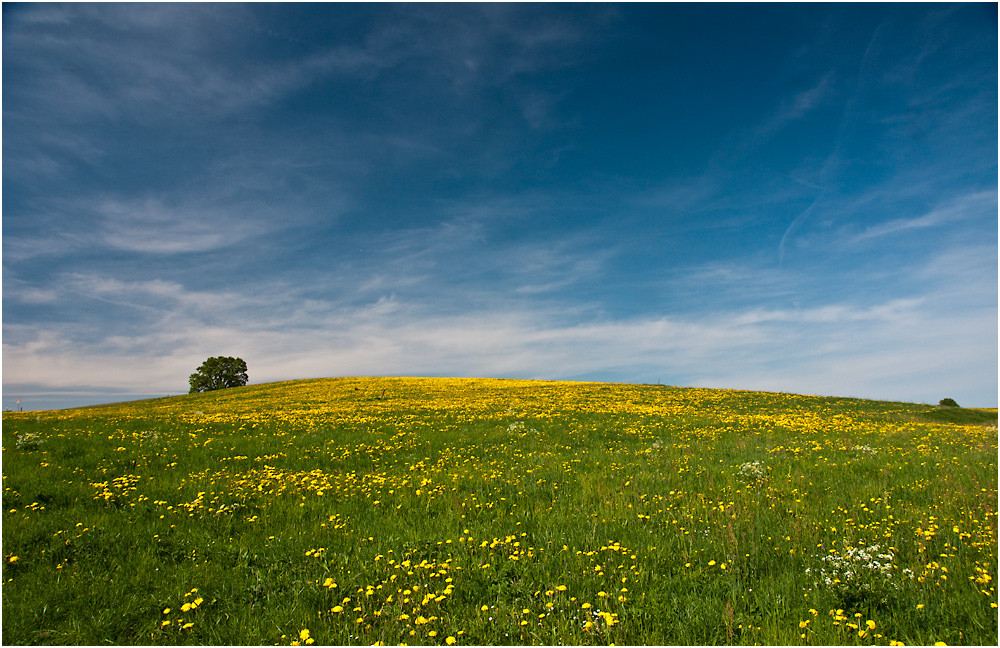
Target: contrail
(832, 161)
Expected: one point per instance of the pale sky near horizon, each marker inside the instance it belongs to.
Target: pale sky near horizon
(786, 197)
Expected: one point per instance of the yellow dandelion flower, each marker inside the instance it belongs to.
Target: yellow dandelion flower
(450, 641)
(870, 624)
(166, 610)
(484, 608)
(560, 588)
(304, 634)
(432, 633)
(337, 609)
(186, 607)
(586, 606)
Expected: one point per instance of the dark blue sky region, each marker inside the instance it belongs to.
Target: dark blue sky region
(790, 197)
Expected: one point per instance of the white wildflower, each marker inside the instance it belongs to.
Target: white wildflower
(752, 472)
(29, 441)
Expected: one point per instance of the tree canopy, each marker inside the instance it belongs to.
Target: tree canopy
(219, 373)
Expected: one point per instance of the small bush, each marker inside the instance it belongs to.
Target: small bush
(947, 402)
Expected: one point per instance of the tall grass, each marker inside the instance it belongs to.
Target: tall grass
(473, 511)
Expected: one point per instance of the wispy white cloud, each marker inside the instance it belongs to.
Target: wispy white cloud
(974, 205)
(922, 359)
(884, 350)
(791, 108)
(150, 226)
(894, 310)
(152, 63)
(173, 224)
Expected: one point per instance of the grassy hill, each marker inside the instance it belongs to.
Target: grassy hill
(479, 511)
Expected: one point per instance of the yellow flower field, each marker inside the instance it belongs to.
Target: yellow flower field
(482, 511)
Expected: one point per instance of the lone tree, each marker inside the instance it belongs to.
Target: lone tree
(219, 373)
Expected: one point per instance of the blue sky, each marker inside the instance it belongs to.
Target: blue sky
(783, 197)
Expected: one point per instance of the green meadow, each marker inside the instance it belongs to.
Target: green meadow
(490, 512)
